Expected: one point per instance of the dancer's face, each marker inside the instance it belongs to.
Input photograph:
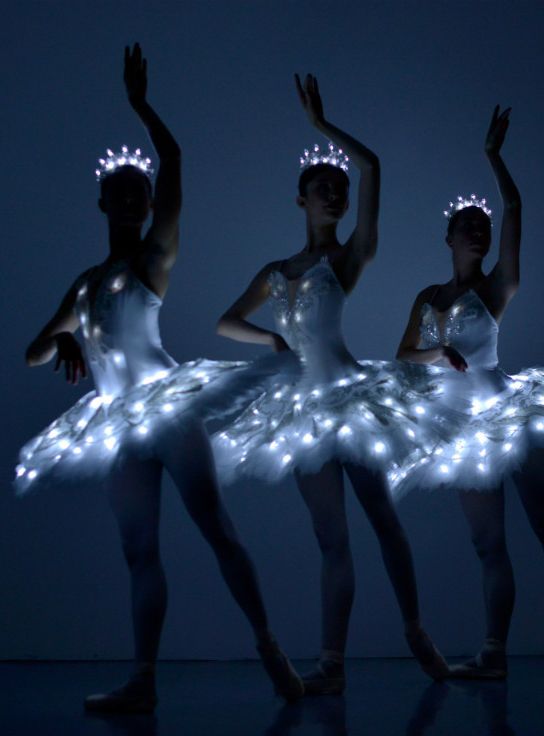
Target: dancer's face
(326, 198)
(471, 233)
(126, 197)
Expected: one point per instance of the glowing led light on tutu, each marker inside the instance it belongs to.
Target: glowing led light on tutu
(114, 161)
(462, 202)
(332, 155)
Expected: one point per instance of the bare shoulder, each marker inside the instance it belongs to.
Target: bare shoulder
(426, 295)
(80, 281)
(269, 268)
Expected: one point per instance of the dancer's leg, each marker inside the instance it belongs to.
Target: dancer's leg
(134, 492)
(188, 458)
(135, 499)
(484, 512)
(530, 484)
(323, 493)
(371, 489)
(485, 515)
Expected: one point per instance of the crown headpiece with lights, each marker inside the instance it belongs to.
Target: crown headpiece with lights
(333, 156)
(114, 161)
(462, 202)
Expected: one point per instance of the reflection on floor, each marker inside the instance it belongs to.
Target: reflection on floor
(384, 698)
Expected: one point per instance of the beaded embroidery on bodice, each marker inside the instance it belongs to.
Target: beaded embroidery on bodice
(311, 323)
(467, 326)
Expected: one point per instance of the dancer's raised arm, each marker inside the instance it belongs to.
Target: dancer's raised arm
(504, 278)
(161, 241)
(361, 246)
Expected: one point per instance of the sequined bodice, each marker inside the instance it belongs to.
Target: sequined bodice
(468, 327)
(310, 323)
(121, 330)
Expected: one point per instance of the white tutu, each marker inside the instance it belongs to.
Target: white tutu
(141, 391)
(504, 415)
(375, 413)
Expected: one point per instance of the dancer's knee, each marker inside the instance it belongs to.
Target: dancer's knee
(490, 546)
(141, 550)
(333, 543)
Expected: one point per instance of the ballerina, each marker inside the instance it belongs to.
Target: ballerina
(340, 414)
(145, 415)
(455, 325)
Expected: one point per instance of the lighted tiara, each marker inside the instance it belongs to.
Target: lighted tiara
(334, 156)
(124, 158)
(463, 202)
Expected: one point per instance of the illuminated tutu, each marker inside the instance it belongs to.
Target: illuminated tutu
(141, 391)
(504, 415)
(373, 412)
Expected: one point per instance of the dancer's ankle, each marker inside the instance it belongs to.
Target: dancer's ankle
(495, 646)
(144, 670)
(412, 627)
(264, 638)
(332, 655)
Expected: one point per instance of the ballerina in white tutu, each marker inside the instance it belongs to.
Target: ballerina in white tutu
(145, 413)
(456, 325)
(340, 414)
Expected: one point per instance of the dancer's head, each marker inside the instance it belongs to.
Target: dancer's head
(469, 227)
(323, 191)
(126, 192)
(126, 196)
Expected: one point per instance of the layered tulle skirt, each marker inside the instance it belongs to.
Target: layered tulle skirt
(85, 441)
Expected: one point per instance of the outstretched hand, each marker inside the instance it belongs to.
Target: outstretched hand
(135, 74)
(69, 352)
(497, 130)
(310, 98)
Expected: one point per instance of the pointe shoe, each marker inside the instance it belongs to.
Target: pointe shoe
(429, 658)
(327, 678)
(286, 681)
(484, 666)
(137, 696)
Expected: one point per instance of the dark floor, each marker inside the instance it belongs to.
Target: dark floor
(384, 697)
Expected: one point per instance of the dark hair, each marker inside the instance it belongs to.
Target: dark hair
(452, 222)
(308, 174)
(119, 171)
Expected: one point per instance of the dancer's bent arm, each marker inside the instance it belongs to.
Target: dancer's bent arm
(233, 323)
(57, 338)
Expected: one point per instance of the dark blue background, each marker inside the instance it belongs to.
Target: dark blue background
(417, 82)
